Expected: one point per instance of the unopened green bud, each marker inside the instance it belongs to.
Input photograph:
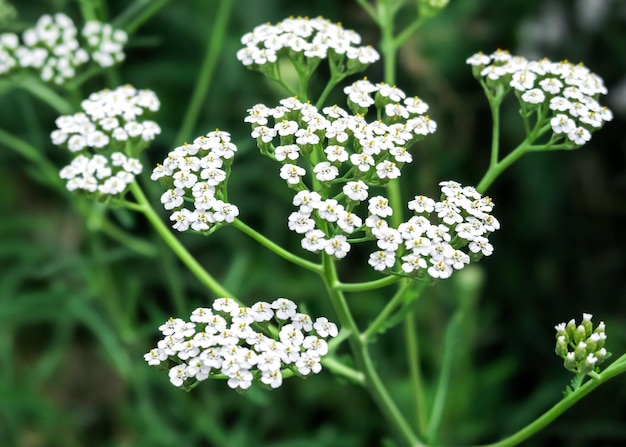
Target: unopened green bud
(569, 362)
(587, 324)
(570, 328)
(560, 330)
(600, 328)
(601, 354)
(561, 346)
(581, 351)
(589, 364)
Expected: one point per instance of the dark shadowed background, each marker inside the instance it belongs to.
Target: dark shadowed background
(77, 311)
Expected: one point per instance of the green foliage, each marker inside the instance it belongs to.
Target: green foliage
(78, 309)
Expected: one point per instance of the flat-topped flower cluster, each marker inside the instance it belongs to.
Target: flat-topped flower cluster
(564, 95)
(55, 49)
(106, 137)
(234, 342)
(309, 39)
(580, 345)
(344, 156)
(196, 173)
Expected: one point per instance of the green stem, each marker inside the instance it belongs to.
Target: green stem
(46, 94)
(339, 368)
(382, 320)
(495, 132)
(415, 373)
(387, 44)
(317, 268)
(498, 168)
(616, 368)
(50, 175)
(369, 285)
(203, 276)
(445, 376)
(137, 13)
(88, 10)
(369, 9)
(207, 70)
(332, 82)
(408, 31)
(359, 348)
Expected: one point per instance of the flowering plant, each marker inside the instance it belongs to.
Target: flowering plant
(337, 142)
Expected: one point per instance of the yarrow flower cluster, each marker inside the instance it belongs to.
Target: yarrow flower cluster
(106, 138)
(346, 155)
(228, 341)
(563, 95)
(310, 39)
(197, 173)
(581, 346)
(53, 49)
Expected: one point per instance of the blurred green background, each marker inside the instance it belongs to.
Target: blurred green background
(77, 310)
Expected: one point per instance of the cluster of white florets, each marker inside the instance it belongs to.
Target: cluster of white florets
(431, 242)
(563, 94)
(581, 346)
(313, 39)
(105, 43)
(197, 173)
(53, 49)
(228, 341)
(111, 122)
(346, 155)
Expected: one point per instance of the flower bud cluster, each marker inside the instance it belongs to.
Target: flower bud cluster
(233, 342)
(52, 48)
(308, 40)
(106, 138)
(581, 346)
(197, 173)
(564, 95)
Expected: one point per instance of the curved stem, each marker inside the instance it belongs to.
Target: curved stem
(370, 10)
(406, 33)
(616, 368)
(415, 373)
(46, 94)
(332, 82)
(317, 268)
(205, 76)
(445, 376)
(178, 248)
(495, 170)
(137, 13)
(369, 285)
(359, 348)
(340, 369)
(382, 321)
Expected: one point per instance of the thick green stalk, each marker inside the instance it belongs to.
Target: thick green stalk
(137, 13)
(42, 91)
(415, 374)
(178, 248)
(369, 285)
(340, 369)
(203, 83)
(359, 349)
(616, 368)
(445, 376)
(498, 168)
(317, 268)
